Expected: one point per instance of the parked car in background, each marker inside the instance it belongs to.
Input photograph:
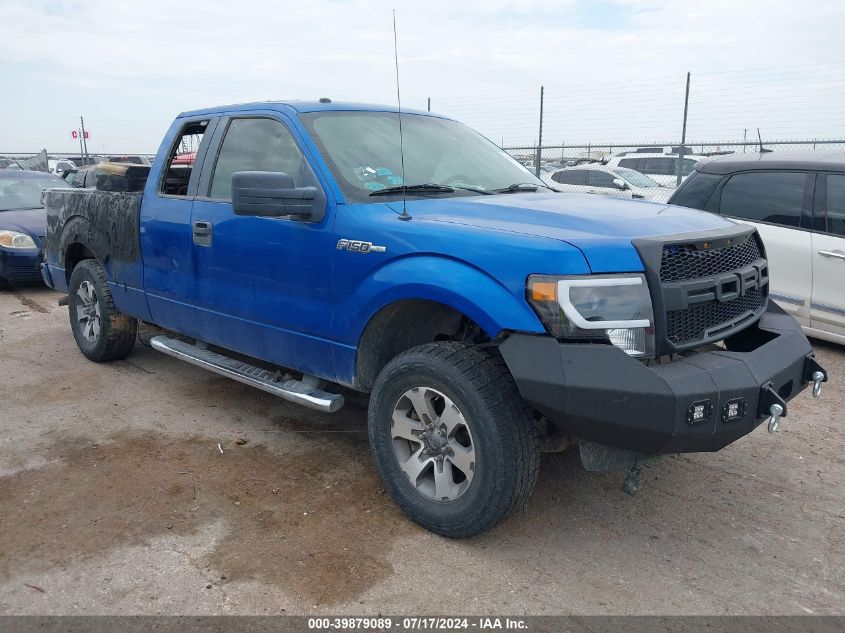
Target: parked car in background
(187, 158)
(135, 160)
(83, 177)
(683, 150)
(660, 167)
(607, 181)
(797, 202)
(23, 223)
(60, 165)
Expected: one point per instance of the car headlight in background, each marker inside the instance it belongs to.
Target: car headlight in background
(13, 239)
(610, 308)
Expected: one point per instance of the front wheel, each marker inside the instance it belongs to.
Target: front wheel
(452, 438)
(101, 331)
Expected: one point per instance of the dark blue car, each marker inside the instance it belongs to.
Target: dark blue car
(23, 223)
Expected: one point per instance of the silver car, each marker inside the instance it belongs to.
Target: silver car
(607, 181)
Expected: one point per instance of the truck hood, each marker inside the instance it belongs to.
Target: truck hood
(602, 227)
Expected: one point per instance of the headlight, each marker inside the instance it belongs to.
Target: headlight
(13, 239)
(610, 308)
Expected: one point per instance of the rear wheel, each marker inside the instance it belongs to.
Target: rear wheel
(452, 438)
(102, 332)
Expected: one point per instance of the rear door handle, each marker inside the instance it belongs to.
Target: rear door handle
(833, 254)
(202, 233)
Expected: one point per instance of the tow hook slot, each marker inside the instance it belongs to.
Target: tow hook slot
(773, 404)
(813, 372)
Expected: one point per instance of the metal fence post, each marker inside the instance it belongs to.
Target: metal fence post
(540, 138)
(84, 140)
(681, 152)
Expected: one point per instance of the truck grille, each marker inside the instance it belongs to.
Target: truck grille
(692, 325)
(686, 262)
(716, 301)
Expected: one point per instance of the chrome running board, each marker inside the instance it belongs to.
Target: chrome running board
(306, 392)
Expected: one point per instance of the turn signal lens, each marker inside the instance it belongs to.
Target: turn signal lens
(543, 291)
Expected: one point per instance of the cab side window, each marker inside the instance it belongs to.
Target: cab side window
(180, 161)
(257, 144)
(776, 197)
(835, 203)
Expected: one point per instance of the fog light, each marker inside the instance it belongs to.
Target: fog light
(733, 410)
(699, 412)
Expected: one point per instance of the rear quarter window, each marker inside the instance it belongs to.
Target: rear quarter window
(696, 190)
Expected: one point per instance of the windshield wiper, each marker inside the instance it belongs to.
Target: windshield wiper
(428, 187)
(518, 187)
(475, 189)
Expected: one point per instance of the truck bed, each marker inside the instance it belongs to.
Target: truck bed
(105, 221)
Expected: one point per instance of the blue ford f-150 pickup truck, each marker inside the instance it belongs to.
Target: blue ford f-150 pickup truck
(488, 316)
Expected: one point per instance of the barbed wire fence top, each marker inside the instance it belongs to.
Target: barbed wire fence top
(796, 108)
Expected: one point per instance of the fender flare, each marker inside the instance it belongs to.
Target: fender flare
(451, 282)
(80, 230)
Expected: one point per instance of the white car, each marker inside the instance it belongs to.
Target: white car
(607, 181)
(797, 202)
(660, 167)
(60, 165)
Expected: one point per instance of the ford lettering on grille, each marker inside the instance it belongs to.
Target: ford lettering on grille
(710, 292)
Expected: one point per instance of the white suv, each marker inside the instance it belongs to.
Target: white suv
(797, 202)
(660, 167)
(607, 181)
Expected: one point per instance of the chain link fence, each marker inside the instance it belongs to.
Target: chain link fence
(57, 162)
(640, 170)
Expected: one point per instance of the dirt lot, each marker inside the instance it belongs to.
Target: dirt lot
(114, 498)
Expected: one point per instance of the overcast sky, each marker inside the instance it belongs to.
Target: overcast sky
(613, 69)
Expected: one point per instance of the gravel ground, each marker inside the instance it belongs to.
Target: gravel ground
(115, 499)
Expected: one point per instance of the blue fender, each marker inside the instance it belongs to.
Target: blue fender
(444, 280)
(435, 278)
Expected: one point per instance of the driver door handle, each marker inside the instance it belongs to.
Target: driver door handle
(833, 254)
(202, 233)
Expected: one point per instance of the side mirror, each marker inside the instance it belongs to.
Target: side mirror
(271, 194)
(621, 184)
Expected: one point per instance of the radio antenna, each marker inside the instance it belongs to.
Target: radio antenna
(404, 215)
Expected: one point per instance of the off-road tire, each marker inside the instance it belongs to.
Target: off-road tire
(503, 431)
(117, 330)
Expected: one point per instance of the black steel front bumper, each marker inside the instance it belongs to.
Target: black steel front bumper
(600, 394)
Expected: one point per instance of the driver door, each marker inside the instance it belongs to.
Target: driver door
(263, 284)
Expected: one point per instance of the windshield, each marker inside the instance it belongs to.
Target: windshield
(25, 193)
(635, 178)
(362, 150)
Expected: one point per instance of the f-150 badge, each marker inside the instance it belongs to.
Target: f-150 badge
(357, 246)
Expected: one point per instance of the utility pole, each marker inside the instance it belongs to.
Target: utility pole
(681, 152)
(744, 138)
(84, 142)
(429, 104)
(81, 153)
(540, 142)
